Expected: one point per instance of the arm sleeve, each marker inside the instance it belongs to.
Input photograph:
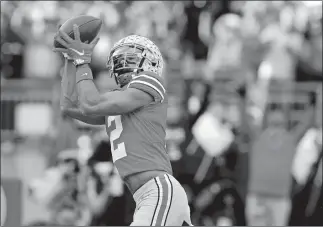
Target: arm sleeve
(150, 85)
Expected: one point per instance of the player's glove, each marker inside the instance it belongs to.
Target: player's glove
(65, 55)
(79, 52)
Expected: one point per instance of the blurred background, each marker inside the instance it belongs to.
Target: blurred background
(244, 120)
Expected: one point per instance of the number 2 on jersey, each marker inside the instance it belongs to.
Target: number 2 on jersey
(115, 128)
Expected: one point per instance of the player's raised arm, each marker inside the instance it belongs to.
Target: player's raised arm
(68, 101)
(92, 103)
(68, 88)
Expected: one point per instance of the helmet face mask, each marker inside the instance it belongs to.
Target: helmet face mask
(131, 55)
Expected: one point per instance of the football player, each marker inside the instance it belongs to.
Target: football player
(135, 119)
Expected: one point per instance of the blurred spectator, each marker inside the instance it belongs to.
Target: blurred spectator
(307, 172)
(106, 191)
(309, 66)
(270, 165)
(225, 50)
(58, 191)
(220, 204)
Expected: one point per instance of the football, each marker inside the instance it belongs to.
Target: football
(89, 27)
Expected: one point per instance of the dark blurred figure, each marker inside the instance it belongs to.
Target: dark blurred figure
(222, 168)
(308, 199)
(191, 39)
(309, 67)
(108, 202)
(219, 204)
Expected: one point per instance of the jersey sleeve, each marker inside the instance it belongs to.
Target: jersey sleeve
(149, 84)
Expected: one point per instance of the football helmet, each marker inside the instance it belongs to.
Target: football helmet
(131, 55)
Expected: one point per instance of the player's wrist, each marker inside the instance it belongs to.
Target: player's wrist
(79, 62)
(83, 72)
(67, 57)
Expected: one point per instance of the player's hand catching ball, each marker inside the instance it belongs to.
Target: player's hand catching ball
(79, 52)
(64, 54)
